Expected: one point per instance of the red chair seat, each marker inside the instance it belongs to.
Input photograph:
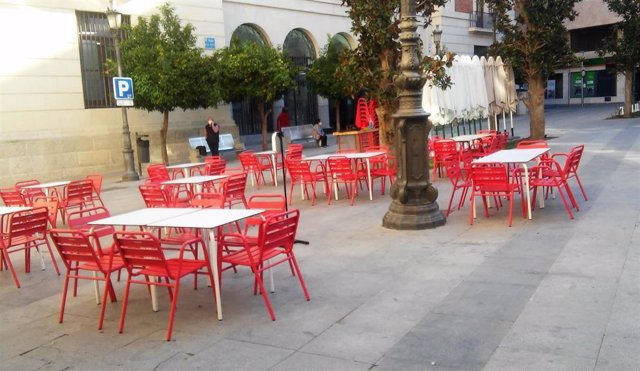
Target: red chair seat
(173, 265)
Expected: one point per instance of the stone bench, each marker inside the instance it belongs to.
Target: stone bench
(299, 133)
(226, 143)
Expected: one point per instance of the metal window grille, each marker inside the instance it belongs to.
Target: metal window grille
(96, 44)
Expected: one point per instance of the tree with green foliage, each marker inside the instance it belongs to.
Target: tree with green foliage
(535, 43)
(322, 77)
(167, 68)
(374, 63)
(251, 70)
(623, 45)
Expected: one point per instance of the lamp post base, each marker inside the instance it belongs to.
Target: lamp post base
(130, 174)
(413, 217)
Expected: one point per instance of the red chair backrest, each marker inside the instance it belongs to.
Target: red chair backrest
(340, 168)
(234, 186)
(454, 172)
(154, 195)
(158, 173)
(141, 250)
(573, 161)
(27, 224)
(29, 194)
(490, 177)
(299, 169)
(204, 200)
(215, 167)
(79, 190)
(213, 159)
(80, 219)
(532, 144)
(294, 151)
(96, 179)
(268, 202)
(52, 206)
(248, 160)
(279, 230)
(12, 197)
(75, 247)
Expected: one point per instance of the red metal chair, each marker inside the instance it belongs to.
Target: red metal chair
(275, 241)
(571, 165)
(255, 165)
(29, 194)
(52, 207)
(78, 254)
(341, 171)
(158, 173)
(271, 203)
(492, 179)
(549, 174)
(156, 195)
(459, 180)
(26, 230)
(78, 195)
(12, 197)
(96, 179)
(208, 200)
(383, 167)
(143, 257)
(444, 150)
(233, 189)
(300, 173)
(294, 151)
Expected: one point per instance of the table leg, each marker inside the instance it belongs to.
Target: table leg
(275, 169)
(369, 181)
(96, 288)
(213, 253)
(154, 294)
(526, 186)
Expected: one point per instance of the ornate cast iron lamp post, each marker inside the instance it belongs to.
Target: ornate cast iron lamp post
(437, 37)
(115, 22)
(414, 198)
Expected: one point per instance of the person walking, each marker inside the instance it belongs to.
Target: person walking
(282, 120)
(318, 134)
(212, 135)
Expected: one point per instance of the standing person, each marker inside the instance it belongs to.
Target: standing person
(212, 135)
(283, 119)
(318, 134)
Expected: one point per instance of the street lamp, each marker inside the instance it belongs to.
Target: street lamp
(115, 23)
(413, 204)
(437, 37)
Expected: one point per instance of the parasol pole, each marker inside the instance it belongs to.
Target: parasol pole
(504, 122)
(511, 120)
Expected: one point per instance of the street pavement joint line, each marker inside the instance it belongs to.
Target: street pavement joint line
(43, 345)
(615, 296)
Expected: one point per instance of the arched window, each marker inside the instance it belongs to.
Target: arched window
(244, 113)
(301, 102)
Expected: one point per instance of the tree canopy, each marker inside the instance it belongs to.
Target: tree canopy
(374, 63)
(167, 68)
(623, 44)
(535, 43)
(251, 70)
(322, 76)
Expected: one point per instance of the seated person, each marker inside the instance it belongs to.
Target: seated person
(318, 134)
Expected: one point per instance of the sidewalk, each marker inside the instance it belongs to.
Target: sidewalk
(547, 293)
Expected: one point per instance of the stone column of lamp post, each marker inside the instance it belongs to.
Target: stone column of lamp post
(414, 197)
(130, 174)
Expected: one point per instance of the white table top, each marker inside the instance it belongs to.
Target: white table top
(185, 166)
(470, 137)
(49, 184)
(206, 218)
(4, 210)
(357, 155)
(196, 179)
(143, 217)
(518, 155)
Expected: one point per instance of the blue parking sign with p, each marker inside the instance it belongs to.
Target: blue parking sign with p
(123, 88)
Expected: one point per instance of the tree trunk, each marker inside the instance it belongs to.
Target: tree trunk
(535, 105)
(384, 111)
(263, 119)
(163, 137)
(337, 109)
(628, 92)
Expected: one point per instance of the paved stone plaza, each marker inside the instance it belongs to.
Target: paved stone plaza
(546, 294)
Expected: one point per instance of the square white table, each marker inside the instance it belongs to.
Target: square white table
(195, 181)
(142, 218)
(185, 168)
(516, 156)
(469, 138)
(209, 219)
(352, 156)
(274, 164)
